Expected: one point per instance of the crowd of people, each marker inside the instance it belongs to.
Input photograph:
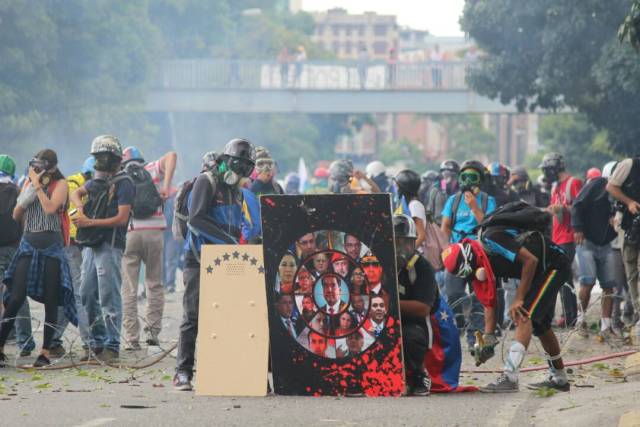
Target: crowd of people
(495, 246)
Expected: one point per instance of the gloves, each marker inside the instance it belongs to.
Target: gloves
(27, 197)
(484, 347)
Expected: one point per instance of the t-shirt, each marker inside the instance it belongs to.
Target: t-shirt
(562, 231)
(259, 188)
(424, 289)
(465, 220)
(122, 196)
(416, 208)
(157, 221)
(621, 172)
(502, 246)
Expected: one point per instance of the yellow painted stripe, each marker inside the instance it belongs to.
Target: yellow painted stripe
(541, 292)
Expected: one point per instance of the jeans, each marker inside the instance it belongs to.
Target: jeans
(455, 289)
(189, 327)
(74, 258)
(100, 293)
(171, 259)
(24, 335)
(596, 262)
(630, 255)
(567, 294)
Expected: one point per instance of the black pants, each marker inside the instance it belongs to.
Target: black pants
(189, 326)
(19, 294)
(567, 296)
(415, 342)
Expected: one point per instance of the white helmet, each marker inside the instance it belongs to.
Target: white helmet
(607, 170)
(375, 168)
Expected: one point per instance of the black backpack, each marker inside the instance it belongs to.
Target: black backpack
(147, 199)
(99, 197)
(181, 207)
(519, 215)
(10, 233)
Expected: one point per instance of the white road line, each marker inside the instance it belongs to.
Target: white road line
(96, 422)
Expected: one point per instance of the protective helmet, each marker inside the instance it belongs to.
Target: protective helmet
(87, 166)
(520, 171)
(404, 226)
(375, 168)
(240, 156)
(498, 169)
(475, 165)
(408, 181)
(7, 165)
(459, 259)
(553, 160)
(321, 172)
(292, 183)
(209, 160)
(608, 169)
(450, 165)
(106, 144)
(132, 154)
(240, 149)
(341, 170)
(593, 173)
(430, 175)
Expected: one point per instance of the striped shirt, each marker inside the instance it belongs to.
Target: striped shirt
(156, 221)
(36, 220)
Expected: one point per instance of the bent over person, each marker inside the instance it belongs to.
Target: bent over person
(516, 251)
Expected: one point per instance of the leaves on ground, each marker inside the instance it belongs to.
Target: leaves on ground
(545, 392)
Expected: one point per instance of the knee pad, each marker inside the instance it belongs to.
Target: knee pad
(515, 356)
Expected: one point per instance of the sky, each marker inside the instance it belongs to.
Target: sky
(440, 17)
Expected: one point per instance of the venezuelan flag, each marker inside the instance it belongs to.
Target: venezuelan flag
(251, 225)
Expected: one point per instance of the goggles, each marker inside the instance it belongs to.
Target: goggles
(469, 178)
(265, 165)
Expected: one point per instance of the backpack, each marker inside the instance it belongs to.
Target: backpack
(179, 227)
(519, 215)
(10, 228)
(99, 197)
(147, 199)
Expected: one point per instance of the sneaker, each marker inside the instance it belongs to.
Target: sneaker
(182, 382)
(133, 346)
(422, 385)
(153, 341)
(583, 329)
(3, 360)
(25, 353)
(91, 354)
(57, 352)
(108, 356)
(502, 385)
(41, 361)
(549, 383)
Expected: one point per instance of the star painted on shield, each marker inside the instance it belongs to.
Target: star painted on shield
(226, 257)
(245, 257)
(217, 261)
(236, 255)
(444, 316)
(254, 261)
(209, 270)
(261, 270)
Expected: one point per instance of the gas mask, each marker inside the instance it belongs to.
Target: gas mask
(40, 165)
(551, 174)
(449, 182)
(234, 169)
(520, 185)
(106, 162)
(405, 249)
(470, 180)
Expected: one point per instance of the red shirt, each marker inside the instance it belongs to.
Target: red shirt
(562, 230)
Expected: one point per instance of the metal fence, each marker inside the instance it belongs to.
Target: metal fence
(312, 75)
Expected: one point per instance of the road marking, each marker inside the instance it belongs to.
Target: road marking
(96, 422)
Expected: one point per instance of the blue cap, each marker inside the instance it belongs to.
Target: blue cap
(87, 166)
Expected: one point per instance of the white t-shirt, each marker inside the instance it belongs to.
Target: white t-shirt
(417, 211)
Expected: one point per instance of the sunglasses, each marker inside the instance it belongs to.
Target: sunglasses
(371, 264)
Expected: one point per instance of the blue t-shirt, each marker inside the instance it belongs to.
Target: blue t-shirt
(123, 195)
(465, 221)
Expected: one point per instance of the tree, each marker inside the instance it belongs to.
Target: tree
(554, 54)
(629, 31)
(467, 137)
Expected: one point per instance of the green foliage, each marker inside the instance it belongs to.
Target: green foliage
(545, 392)
(403, 153)
(467, 137)
(555, 53)
(580, 142)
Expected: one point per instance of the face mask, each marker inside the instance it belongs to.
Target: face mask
(520, 186)
(231, 178)
(106, 162)
(550, 174)
(405, 249)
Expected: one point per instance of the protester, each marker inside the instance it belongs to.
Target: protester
(145, 244)
(215, 217)
(525, 190)
(564, 191)
(102, 230)
(39, 268)
(498, 176)
(408, 184)
(344, 179)
(462, 213)
(429, 180)
(265, 182)
(446, 187)
(377, 172)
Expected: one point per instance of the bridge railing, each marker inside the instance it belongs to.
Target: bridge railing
(312, 75)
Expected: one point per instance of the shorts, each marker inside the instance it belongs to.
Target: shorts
(596, 262)
(540, 301)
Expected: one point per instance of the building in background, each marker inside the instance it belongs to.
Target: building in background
(347, 34)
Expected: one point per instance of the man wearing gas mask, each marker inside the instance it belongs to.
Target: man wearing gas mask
(564, 191)
(265, 182)
(529, 193)
(462, 213)
(215, 217)
(445, 187)
(418, 296)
